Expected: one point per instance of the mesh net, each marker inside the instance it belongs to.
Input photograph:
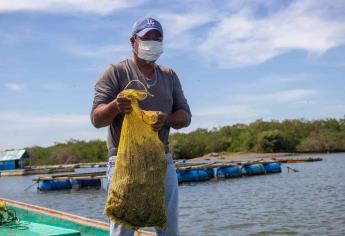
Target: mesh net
(137, 191)
(9, 219)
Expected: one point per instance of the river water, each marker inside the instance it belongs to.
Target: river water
(308, 202)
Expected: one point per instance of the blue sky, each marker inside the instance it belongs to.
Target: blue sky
(238, 61)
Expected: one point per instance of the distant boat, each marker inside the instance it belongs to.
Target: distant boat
(43, 221)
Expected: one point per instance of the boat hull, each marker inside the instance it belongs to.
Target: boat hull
(67, 224)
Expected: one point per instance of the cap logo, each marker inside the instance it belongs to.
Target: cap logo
(150, 22)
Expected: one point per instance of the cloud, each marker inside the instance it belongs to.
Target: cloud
(335, 110)
(93, 6)
(293, 95)
(235, 111)
(27, 121)
(17, 139)
(14, 87)
(245, 39)
(20, 130)
(100, 51)
(178, 27)
(284, 78)
(215, 116)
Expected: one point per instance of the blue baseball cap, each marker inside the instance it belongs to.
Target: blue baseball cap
(144, 25)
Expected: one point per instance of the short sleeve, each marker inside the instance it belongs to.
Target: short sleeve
(106, 88)
(179, 100)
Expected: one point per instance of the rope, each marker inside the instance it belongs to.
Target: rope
(142, 84)
(9, 219)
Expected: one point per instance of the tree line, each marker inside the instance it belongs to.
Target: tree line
(293, 135)
(72, 151)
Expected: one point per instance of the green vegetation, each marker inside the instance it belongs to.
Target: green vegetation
(73, 151)
(263, 136)
(260, 136)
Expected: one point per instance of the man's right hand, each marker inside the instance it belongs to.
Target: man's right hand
(123, 104)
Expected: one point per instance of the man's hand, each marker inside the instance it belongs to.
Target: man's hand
(162, 117)
(123, 104)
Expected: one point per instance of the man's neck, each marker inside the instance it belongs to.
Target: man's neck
(145, 68)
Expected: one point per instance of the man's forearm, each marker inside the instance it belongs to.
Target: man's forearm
(179, 119)
(104, 114)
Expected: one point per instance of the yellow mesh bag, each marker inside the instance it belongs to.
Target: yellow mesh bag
(137, 192)
(2, 205)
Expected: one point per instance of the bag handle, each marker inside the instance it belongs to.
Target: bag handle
(142, 113)
(142, 84)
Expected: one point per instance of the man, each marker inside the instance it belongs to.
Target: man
(109, 106)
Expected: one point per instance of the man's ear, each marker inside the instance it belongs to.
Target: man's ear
(132, 39)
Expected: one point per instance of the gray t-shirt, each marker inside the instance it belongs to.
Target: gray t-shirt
(166, 88)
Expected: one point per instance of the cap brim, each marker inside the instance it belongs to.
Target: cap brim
(144, 31)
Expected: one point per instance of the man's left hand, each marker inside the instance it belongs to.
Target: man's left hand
(162, 117)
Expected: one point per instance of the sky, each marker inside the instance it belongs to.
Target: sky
(238, 61)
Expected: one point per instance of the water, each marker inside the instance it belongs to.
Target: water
(309, 202)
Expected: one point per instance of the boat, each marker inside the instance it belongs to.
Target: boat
(40, 221)
(231, 171)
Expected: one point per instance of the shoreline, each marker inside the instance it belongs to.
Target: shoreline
(254, 156)
(231, 156)
(245, 156)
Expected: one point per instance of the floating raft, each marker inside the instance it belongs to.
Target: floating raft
(230, 171)
(67, 181)
(186, 172)
(272, 167)
(193, 175)
(195, 172)
(37, 170)
(298, 159)
(253, 169)
(49, 169)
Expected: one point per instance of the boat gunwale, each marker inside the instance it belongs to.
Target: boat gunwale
(68, 216)
(59, 214)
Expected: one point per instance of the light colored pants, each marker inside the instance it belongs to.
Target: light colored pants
(171, 202)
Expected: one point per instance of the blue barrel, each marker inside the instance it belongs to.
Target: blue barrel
(194, 175)
(253, 169)
(210, 172)
(272, 167)
(54, 185)
(229, 172)
(87, 182)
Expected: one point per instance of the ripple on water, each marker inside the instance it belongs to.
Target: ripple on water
(309, 202)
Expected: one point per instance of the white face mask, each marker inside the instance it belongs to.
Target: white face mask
(149, 50)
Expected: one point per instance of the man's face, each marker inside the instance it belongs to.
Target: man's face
(153, 35)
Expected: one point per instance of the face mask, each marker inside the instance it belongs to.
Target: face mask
(149, 50)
